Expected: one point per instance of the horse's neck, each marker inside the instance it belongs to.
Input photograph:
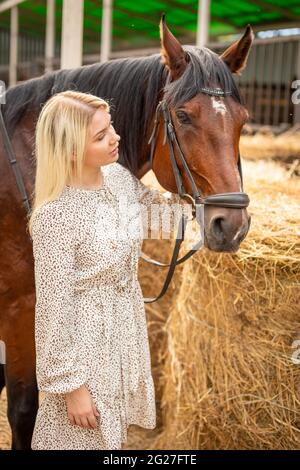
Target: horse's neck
(144, 169)
(146, 165)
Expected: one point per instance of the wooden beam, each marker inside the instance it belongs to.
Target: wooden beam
(126, 32)
(8, 4)
(106, 30)
(203, 22)
(50, 36)
(13, 50)
(71, 37)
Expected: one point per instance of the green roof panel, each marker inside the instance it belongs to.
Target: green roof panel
(137, 23)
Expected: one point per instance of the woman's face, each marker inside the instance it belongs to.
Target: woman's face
(102, 141)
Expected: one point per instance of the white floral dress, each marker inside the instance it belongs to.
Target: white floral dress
(90, 323)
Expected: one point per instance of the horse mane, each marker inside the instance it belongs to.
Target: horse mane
(131, 86)
(205, 70)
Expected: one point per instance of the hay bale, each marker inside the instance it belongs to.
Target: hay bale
(264, 145)
(5, 434)
(226, 379)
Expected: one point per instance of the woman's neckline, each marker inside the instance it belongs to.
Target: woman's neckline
(89, 190)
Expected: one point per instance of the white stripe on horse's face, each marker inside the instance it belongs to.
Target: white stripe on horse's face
(219, 105)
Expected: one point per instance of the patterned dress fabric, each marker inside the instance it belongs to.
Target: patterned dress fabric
(90, 322)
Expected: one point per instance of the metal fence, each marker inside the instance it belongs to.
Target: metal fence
(266, 83)
(29, 47)
(31, 55)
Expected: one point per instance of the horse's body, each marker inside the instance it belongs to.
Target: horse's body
(133, 87)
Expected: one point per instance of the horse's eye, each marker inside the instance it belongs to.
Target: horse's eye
(183, 117)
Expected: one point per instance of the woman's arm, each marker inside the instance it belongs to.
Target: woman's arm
(59, 367)
(164, 209)
(58, 364)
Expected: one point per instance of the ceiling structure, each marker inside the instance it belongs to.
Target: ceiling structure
(135, 24)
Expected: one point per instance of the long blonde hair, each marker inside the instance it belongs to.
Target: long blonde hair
(61, 131)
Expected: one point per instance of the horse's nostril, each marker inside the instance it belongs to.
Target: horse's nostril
(217, 228)
(223, 230)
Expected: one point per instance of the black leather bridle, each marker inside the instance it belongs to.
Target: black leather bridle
(14, 164)
(235, 200)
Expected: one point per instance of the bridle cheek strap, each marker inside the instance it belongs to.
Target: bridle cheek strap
(233, 200)
(238, 200)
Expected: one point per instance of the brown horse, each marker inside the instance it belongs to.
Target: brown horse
(208, 128)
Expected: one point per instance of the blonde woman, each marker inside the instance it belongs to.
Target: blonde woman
(92, 350)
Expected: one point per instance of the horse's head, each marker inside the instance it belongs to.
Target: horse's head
(208, 130)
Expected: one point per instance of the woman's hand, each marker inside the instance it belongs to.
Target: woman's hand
(81, 408)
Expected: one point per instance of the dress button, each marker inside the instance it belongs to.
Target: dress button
(124, 282)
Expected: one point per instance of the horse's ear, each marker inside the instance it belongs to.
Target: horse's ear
(236, 55)
(172, 54)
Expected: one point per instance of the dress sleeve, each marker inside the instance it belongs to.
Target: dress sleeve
(58, 367)
(162, 210)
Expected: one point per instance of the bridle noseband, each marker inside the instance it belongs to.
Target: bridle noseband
(234, 200)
